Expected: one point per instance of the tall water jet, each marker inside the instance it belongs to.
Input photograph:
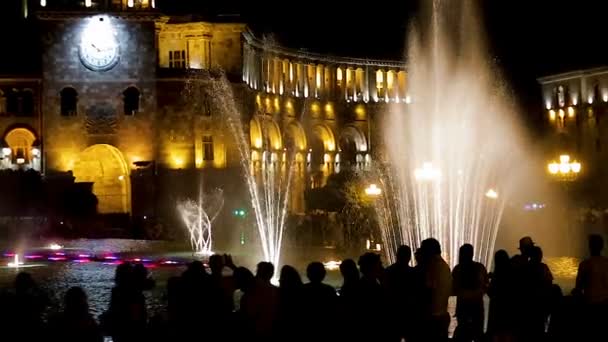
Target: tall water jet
(198, 217)
(453, 148)
(267, 172)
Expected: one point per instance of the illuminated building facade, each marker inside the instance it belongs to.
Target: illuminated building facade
(125, 101)
(576, 109)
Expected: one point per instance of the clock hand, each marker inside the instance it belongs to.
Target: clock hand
(95, 47)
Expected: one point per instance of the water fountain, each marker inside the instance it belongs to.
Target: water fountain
(268, 180)
(452, 148)
(198, 217)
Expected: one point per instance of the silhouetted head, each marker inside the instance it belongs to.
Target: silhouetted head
(24, 282)
(536, 254)
(430, 247)
(315, 272)
(196, 266)
(370, 265)
(501, 260)
(216, 264)
(265, 271)
(525, 245)
(123, 275)
(404, 255)
(465, 255)
(418, 256)
(289, 278)
(596, 244)
(76, 302)
(349, 270)
(243, 278)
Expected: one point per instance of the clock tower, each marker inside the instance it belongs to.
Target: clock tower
(99, 93)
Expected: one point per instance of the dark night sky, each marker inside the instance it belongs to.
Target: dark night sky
(528, 38)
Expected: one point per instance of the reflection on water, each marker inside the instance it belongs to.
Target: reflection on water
(97, 279)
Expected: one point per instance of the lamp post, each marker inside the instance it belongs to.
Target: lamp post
(565, 171)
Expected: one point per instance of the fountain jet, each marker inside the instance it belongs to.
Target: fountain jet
(198, 217)
(454, 139)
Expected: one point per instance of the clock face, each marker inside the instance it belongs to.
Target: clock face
(99, 53)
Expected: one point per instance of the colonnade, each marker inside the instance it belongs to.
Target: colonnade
(305, 75)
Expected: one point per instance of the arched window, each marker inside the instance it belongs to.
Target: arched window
(2, 102)
(69, 101)
(12, 101)
(27, 103)
(131, 100)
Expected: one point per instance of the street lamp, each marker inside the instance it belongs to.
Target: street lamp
(565, 172)
(373, 190)
(427, 173)
(565, 169)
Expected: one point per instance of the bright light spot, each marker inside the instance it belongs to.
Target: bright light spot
(564, 158)
(427, 173)
(548, 104)
(553, 168)
(6, 151)
(55, 247)
(570, 112)
(408, 99)
(43, 3)
(20, 161)
(35, 152)
(552, 114)
(492, 194)
(87, 3)
(564, 168)
(576, 167)
(332, 265)
(605, 98)
(16, 263)
(179, 162)
(562, 113)
(575, 100)
(121, 178)
(145, 217)
(327, 158)
(373, 190)
(130, 3)
(590, 99)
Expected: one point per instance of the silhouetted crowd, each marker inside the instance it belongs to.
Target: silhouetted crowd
(223, 302)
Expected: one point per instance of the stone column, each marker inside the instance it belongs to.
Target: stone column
(372, 88)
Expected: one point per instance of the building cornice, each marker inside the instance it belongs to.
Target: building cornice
(573, 74)
(255, 42)
(77, 15)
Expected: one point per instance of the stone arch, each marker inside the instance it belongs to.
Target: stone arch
(320, 142)
(352, 142)
(21, 141)
(265, 133)
(105, 166)
(295, 138)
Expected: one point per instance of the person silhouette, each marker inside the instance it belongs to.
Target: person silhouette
(371, 298)
(435, 289)
(538, 279)
(400, 291)
(75, 323)
(470, 282)
(592, 286)
(347, 301)
(290, 304)
(319, 304)
(500, 292)
(260, 304)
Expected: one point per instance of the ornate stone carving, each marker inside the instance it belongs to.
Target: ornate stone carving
(101, 119)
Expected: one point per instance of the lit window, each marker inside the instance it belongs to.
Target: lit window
(69, 101)
(131, 100)
(177, 59)
(208, 148)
